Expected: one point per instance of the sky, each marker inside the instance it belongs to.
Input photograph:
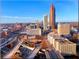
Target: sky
(22, 11)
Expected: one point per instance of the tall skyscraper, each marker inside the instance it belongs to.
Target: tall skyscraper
(45, 22)
(52, 17)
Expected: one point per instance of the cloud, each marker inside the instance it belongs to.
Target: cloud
(14, 19)
(17, 17)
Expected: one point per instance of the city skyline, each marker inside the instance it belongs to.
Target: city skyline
(30, 11)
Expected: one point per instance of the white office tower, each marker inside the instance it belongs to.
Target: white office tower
(61, 44)
(63, 29)
(45, 23)
(37, 24)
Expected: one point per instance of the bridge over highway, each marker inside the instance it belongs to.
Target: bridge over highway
(49, 52)
(5, 41)
(35, 51)
(14, 50)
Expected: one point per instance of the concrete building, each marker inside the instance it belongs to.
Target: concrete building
(45, 23)
(61, 44)
(63, 29)
(31, 26)
(52, 17)
(36, 31)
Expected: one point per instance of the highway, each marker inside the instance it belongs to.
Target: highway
(35, 51)
(50, 53)
(27, 47)
(4, 42)
(47, 55)
(9, 39)
(14, 50)
(55, 55)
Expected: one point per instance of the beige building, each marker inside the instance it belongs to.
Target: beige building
(63, 29)
(65, 46)
(61, 44)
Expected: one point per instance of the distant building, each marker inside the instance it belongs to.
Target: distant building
(45, 23)
(37, 24)
(17, 26)
(61, 44)
(52, 17)
(63, 29)
(31, 26)
(36, 31)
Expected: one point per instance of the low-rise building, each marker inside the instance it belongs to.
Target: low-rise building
(36, 31)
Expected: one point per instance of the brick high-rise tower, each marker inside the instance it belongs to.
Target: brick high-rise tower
(52, 17)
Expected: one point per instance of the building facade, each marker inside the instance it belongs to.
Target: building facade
(61, 44)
